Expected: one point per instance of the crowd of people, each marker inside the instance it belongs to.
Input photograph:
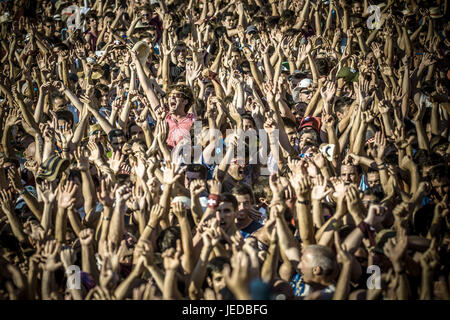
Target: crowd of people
(104, 194)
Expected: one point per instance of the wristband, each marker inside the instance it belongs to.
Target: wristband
(106, 218)
(213, 201)
(306, 202)
(23, 191)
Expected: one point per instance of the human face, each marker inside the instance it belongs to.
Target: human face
(299, 110)
(48, 29)
(357, 8)
(441, 186)
(226, 215)
(229, 22)
(244, 205)
(218, 281)
(93, 23)
(59, 103)
(373, 179)
(117, 143)
(209, 92)
(177, 102)
(422, 38)
(306, 267)
(306, 95)
(237, 168)
(30, 151)
(292, 135)
(349, 174)
(308, 139)
(136, 132)
(247, 125)
(145, 16)
(180, 54)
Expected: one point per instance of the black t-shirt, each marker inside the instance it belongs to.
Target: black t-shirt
(251, 228)
(175, 71)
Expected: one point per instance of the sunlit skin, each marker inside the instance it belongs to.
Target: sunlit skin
(177, 104)
(217, 282)
(227, 215)
(236, 169)
(349, 174)
(373, 179)
(242, 215)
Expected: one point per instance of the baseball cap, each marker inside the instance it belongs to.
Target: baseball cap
(313, 122)
(305, 83)
(251, 29)
(349, 74)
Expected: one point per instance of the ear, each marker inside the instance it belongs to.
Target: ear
(317, 271)
(209, 281)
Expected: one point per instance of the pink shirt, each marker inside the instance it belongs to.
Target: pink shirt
(179, 129)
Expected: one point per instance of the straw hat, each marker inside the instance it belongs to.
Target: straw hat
(51, 168)
(435, 13)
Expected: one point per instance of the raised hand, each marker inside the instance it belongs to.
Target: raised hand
(50, 254)
(430, 258)
(156, 214)
(107, 191)
(319, 190)
(117, 158)
(67, 256)
(47, 191)
(15, 180)
(6, 201)
(123, 193)
(328, 91)
(82, 160)
(66, 197)
(179, 209)
(172, 257)
(276, 186)
(86, 237)
(354, 203)
(396, 251)
(343, 255)
(94, 152)
(197, 186)
(171, 175)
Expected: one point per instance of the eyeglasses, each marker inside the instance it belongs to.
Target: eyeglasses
(146, 15)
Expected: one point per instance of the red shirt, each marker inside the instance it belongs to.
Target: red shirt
(179, 129)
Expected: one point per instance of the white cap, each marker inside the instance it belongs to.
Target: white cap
(305, 83)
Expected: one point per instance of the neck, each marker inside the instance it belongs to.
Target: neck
(244, 224)
(232, 230)
(319, 284)
(179, 114)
